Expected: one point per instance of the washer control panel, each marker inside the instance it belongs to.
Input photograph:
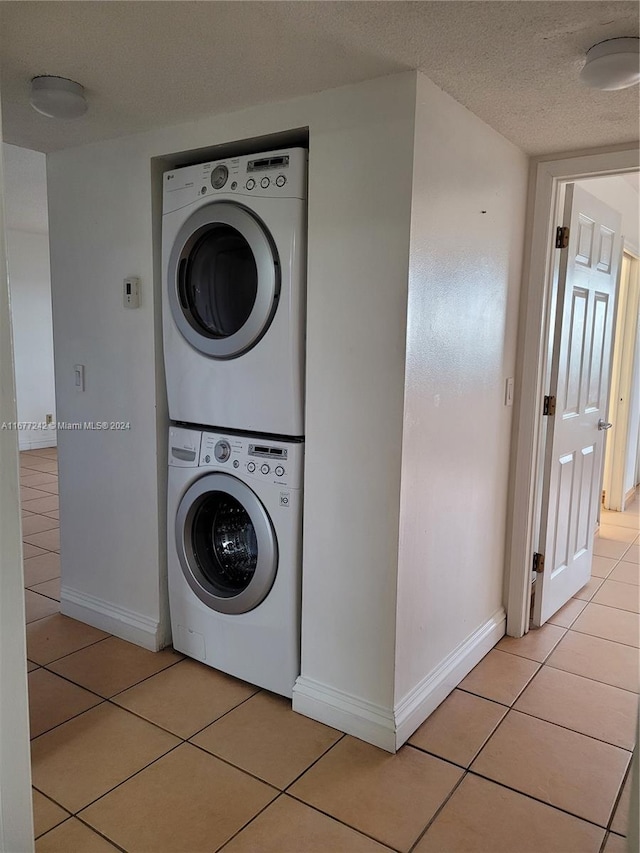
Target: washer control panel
(268, 461)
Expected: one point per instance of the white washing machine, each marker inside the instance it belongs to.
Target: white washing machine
(233, 262)
(235, 553)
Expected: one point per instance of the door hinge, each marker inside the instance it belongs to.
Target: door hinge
(562, 237)
(549, 407)
(538, 563)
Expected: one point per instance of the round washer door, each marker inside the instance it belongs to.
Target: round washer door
(223, 280)
(226, 544)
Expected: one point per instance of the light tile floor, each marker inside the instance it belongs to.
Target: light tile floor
(147, 753)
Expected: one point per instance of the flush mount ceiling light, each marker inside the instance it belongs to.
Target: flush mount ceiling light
(57, 97)
(612, 64)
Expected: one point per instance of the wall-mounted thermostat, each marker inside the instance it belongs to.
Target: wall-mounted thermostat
(131, 292)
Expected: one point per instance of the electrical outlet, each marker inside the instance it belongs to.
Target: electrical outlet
(48, 419)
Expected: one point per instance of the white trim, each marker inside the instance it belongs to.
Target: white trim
(425, 697)
(347, 713)
(381, 726)
(546, 178)
(126, 624)
(26, 443)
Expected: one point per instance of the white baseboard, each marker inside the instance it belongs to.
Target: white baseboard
(26, 442)
(385, 727)
(425, 697)
(126, 624)
(347, 713)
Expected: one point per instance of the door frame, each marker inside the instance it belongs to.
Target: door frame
(625, 337)
(16, 817)
(547, 178)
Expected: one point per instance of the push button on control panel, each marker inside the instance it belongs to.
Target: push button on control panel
(265, 468)
(250, 184)
(281, 181)
(264, 183)
(251, 467)
(279, 471)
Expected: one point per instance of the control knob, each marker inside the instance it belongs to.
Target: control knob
(219, 177)
(222, 451)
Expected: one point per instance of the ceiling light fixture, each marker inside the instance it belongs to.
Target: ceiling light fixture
(57, 97)
(612, 64)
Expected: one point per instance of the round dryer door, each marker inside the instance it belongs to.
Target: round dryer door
(223, 280)
(226, 544)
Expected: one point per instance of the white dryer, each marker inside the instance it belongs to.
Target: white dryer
(234, 553)
(233, 262)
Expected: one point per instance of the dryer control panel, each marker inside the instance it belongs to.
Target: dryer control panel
(274, 174)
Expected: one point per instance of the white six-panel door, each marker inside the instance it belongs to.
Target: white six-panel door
(580, 384)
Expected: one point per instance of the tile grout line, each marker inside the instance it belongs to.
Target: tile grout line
(226, 713)
(313, 763)
(47, 797)
(168, 731)
(342, 822)
(616, 802)
(101, 834)
(42, 595)
(68, 720)
(466, 767)
(250, 821)
(438, 811)
(51, 828)
(126, 779)
(104, 698)
(597, 637)
(575, 731)
(597, 680)
(55, 660)
(235, 766)
(537, 800)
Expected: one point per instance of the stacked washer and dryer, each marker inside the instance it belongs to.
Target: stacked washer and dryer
(233, 260)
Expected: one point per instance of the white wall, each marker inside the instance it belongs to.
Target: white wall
(111, 489)
(469, 193)
(30, 287)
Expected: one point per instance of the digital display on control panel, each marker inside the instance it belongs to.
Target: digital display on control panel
(271, 452)
(281, 162)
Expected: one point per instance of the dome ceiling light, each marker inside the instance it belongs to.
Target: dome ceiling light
(612, 64)
(57, 97)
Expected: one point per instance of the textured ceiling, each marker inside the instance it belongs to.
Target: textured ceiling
(148, 64)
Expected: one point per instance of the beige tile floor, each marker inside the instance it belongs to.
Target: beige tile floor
(147, 753)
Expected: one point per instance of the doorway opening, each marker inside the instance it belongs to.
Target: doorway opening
(622, 452)
(552, 179)
(27, 236)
